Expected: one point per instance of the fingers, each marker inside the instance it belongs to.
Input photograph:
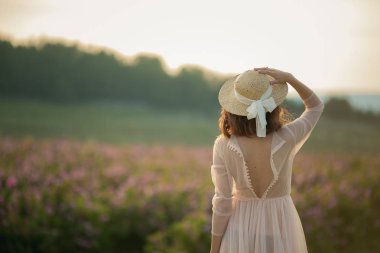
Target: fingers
(263, 68)
(265, 71)
(271, 72)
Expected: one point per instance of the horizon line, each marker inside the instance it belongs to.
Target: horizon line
(38, 40)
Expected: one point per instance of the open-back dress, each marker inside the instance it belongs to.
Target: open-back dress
(252, 209)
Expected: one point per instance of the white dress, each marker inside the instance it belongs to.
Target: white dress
(267, 222)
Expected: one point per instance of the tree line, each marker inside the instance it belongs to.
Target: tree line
(61, 73)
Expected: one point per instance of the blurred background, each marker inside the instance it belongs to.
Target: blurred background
(109, 110)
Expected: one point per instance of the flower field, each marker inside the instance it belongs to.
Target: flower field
(62, 195)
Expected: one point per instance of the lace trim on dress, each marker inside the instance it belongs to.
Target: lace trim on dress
(278, 146)
(274, 169)
(232, 146)
(275, 178)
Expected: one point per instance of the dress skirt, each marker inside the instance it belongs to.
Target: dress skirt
(270, 225)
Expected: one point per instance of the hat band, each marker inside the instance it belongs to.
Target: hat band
(249, 101)
(257, 108)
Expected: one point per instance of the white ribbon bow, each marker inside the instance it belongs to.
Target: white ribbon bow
(257, 108)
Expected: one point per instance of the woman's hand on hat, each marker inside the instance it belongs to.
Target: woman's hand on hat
(280, 77)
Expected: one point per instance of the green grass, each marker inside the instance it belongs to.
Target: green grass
(343, 136)
(127, 123)
(113, 123)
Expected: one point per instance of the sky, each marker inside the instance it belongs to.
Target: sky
(332, 46)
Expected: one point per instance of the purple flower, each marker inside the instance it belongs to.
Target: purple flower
(11, 182)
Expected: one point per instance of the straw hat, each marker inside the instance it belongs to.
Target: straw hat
(251, 94)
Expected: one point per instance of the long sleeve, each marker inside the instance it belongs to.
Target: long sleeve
(222, 199)
(302, 127)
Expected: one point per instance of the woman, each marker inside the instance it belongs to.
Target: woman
(252, 164)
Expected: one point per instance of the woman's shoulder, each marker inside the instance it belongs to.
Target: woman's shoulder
(221, 141)
(285, 133)
(221, 138)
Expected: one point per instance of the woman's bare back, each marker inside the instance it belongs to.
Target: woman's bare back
(257, 153)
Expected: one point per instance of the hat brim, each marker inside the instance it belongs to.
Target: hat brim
(228, 101)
